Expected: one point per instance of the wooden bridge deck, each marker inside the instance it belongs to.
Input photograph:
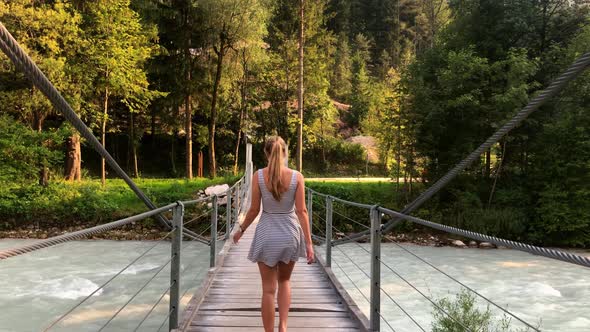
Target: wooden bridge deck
(229, 299)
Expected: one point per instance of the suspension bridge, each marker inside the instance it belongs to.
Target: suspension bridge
(228, 298)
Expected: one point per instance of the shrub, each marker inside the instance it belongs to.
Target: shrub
(466, 313)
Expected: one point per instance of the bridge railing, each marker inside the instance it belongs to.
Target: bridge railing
(323, 209)
(221, 222)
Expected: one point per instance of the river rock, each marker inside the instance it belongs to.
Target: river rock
(217, 190)
(472, 244)
(458, 243)
(486, 245)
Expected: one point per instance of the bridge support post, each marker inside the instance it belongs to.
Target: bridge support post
(178, 212)
(213, 242)
(237, 209)
(375, 318)
(329, 215)
(228, 218)
(310, 209)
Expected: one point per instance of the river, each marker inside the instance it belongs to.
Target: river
(37, 288)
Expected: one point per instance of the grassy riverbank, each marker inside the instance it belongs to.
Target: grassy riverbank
(62, 203)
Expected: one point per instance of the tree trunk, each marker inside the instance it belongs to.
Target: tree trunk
(213, 118)
(188, 128)
(497, 174)
(43, 170)
(133, 145)
(188, 109)
(103, 176)
(153, 130)
(73, 171)
(323, 142)
(173, 153)
(488, 163)
(242, 111)
(299, 162)
(398, 155)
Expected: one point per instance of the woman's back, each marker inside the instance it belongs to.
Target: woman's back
(287, 202)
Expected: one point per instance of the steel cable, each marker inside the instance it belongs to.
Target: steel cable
(549, 253)
(412, 286)
(165, 319)
(579, 66)
(196, 218)
(465, 286)
(107, 282)
(359, 290)
(79, 234)
(350, 219)
(154, 306)
(21, 60)
(137, 293)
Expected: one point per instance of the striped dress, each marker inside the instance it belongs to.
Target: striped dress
(278, 235)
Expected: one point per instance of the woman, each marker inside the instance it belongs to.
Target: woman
(282, 234)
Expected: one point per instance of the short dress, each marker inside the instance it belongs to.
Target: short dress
(278, 236)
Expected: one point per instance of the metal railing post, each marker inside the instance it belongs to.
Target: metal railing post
(310, 209)
(178, 213)
(228, 218)
(375, 319)
(329, 231)
(238, 199)
(213, 243)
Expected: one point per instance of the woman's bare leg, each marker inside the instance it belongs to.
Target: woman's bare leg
(284, 293)
(269, 289)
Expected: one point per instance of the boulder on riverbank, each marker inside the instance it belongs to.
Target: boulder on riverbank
(486, 245)
(458, 244)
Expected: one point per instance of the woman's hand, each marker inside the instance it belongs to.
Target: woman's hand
(237, 236)
(310, 254)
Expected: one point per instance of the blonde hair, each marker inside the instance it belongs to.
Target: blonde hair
(275, 149)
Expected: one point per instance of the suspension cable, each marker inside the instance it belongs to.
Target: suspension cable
(137, 293)
(465, 286)
(454, 279)
(21, 60)
(107, 282)
(197, 217)
(411, 285)
(165, 319)
(154, 306)
(579, 66)
(350, 219)
(361, 292)
(546, 252)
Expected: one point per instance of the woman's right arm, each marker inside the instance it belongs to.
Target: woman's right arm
(302, 215)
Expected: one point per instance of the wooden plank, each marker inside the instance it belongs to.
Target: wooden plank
(252, 313)
(294, 322)
(230, 300)
(253, 306)
(257, 329)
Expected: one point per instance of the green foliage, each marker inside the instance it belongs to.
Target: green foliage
(330, 152)
(467, 313)
(381, 193)
(460, 98)
(23, 151)
(88, 201)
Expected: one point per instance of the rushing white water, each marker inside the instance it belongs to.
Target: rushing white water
(37, 288)
(544, 292)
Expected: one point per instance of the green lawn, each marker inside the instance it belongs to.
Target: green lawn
(88, 201)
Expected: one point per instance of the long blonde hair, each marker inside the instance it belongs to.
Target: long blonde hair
(275, 149)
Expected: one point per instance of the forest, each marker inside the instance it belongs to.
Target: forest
(396, 88)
